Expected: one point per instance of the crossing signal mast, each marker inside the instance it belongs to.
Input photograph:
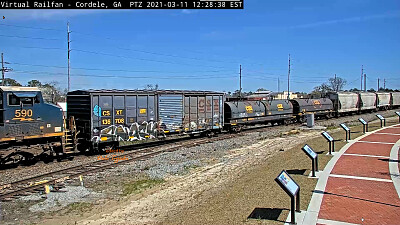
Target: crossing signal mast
(4, 69)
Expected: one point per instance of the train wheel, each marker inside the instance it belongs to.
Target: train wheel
(16, 158)
(210, 134)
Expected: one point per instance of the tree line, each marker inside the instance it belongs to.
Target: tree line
(51, 92)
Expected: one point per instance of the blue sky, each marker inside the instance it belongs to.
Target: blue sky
(202, 49)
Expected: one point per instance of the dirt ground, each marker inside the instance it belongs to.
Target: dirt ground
(237, 189)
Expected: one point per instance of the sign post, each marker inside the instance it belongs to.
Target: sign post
(313, 156)
(347, 130)
(365, 125)
(398, 114)
(331, 141)
(293, 190)
(381, 118)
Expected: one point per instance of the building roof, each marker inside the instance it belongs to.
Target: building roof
(63, 105)
(18, 88)
(111, 91)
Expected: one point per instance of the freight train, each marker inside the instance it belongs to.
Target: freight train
(100, 119)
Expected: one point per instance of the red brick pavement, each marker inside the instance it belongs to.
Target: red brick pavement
(351, 200)
(370, 149)
(390, 130)
(362, 166)
(387, 138)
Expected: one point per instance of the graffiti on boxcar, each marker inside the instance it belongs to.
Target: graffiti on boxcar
(136, 131)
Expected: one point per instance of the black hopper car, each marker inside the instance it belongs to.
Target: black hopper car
(100, 119)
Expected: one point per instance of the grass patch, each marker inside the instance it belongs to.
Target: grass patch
(188, 168)
(139, 185)
(79, 207)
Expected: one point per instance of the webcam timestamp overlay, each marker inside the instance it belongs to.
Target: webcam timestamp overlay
(116, 4)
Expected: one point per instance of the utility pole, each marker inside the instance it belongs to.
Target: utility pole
(378, 84)
(336, 85)
(69, 50)
(240, 81)
(3, 69)
(384, 83)
(278, 85)
(365, 82)
(288, 81)
(362, 73)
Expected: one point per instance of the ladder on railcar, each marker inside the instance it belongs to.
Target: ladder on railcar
(70, 140)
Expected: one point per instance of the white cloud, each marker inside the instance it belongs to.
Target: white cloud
(349, 20)
(187, 11)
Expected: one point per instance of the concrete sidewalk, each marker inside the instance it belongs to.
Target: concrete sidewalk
(361, 183)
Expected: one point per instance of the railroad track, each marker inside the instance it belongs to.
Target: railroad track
(35, 184)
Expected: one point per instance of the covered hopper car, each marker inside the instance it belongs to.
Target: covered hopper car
(383, 100)
(344, 102)
(367, 102)
(395, 102)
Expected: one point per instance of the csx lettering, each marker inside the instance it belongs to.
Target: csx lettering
(106, 113)
(118, 112)
(23, 113)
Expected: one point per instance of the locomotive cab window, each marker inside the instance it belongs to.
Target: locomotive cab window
(22, 98)
(13, 100)
(26, 101)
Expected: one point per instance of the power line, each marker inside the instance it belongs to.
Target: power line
(142, 59)
(33, 47)
(26, 27)
(25, 37)
(121, 70)
(163, 54)
(133, 77)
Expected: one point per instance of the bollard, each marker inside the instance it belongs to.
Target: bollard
(81, 179)
(46, 189)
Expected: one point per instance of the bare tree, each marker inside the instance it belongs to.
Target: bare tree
(151, 87)
(337, 83)
(321, 90)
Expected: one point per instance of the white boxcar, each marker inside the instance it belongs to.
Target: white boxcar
(367, 101)
(383, 100)
(395, 98)
(344, 101)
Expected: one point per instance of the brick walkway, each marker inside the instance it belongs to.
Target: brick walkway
(361, 187)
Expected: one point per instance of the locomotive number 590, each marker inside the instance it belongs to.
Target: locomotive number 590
(23, 113)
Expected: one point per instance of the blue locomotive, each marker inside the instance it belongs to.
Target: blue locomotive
(29, 126)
